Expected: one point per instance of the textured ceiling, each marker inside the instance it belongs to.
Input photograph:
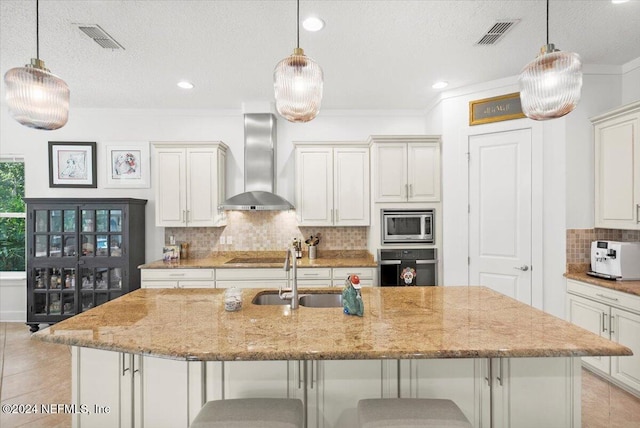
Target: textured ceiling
(375, 54)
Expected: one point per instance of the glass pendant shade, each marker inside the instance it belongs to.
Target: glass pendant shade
(37, 98)
(297, 82)
(550, 85)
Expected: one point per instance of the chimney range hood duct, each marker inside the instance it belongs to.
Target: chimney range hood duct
(259, 167)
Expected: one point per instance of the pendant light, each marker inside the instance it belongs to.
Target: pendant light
(550, 85)
(297, 83)
(36, 97)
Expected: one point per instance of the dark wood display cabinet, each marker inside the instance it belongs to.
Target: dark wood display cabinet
(81, 253)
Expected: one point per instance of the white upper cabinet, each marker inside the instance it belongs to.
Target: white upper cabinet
(332, 185)
(406, 168)
(617, 168)
(189, 183)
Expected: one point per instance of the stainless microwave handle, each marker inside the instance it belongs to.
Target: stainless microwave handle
(426, 262)
(389, 262)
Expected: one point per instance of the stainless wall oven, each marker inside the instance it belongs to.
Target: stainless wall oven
(406, 267)
(408, 226)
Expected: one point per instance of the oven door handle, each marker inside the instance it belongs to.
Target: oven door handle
(389, 262)
(426, 262)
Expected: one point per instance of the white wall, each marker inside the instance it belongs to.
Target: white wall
(631, 81)
(187, 125)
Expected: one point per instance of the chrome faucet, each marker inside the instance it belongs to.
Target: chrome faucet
(290, 263)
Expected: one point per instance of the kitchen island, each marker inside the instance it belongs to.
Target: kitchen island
(166, 351)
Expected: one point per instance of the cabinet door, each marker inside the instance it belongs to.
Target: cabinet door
(423, 172)
(254, 379)
(536, 392)
(453, 379)
(390, 172)
(202, 186)
(314, 186)
(351, 182)
(334, 388)
(592, 316)
(617, 157)
(101, 378)
(625, 329)
(171, 391)
(170, 183)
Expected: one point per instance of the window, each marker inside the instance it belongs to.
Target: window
(12, 215)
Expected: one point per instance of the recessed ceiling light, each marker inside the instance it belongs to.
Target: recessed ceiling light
(440, 85)
(185, 85)
(313, 23)
(619, 1)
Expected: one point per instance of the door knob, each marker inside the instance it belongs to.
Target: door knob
(523, 268)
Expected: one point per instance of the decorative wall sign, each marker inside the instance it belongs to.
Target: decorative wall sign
(72, 164)
(127, 164)
(495, 109)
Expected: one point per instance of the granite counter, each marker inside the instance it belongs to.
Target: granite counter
(399, 323)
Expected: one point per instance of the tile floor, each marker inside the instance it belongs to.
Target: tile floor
(38, 372)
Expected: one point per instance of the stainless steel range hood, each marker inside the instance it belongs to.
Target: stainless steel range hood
(259, 167)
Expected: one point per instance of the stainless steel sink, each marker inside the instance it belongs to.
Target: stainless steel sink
(324, 300)
(316, 300)
(269, 299)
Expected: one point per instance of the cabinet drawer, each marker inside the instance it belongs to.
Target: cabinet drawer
(251, 274)
(363, 282)
(314, 273)
(159, 284)
(252, 284)
(362, 272)
(605, 295)
(178, 274)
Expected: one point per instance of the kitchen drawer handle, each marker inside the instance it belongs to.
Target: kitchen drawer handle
(124, 370)
(176, 274)
(411, 190)
(310, 274)
(611, 320)
(637, 216)
(604, 327)
(500, 375)
(604, 296)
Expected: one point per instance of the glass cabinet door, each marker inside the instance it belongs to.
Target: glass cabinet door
(55, 233)
(99, 285)
(101, 233)
(54, 291)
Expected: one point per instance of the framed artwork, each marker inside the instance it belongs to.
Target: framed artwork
(128, 164)
(72, 164)
(495, 109)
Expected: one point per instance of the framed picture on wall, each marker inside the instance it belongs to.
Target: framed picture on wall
(128, 165)
(72, 164)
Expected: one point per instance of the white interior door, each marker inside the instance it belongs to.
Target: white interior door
(500, 212)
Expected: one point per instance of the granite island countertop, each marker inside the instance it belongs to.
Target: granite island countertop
(267, 259)
(399, 322)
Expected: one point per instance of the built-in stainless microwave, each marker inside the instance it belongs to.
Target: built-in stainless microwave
(401, 226)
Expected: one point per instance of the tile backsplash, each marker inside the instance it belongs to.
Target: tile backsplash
(579, 242)
(264, 231)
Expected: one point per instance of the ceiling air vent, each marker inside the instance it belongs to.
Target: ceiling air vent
(99, 36)
(497, 31)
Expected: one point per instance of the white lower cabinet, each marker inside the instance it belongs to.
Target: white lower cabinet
(334, 388)
(532, 393)
(500, 392)
(614, 316)
(135, 390)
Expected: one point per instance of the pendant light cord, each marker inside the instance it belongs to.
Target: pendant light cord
(547, 21)
(298, 24)
(37, 29)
